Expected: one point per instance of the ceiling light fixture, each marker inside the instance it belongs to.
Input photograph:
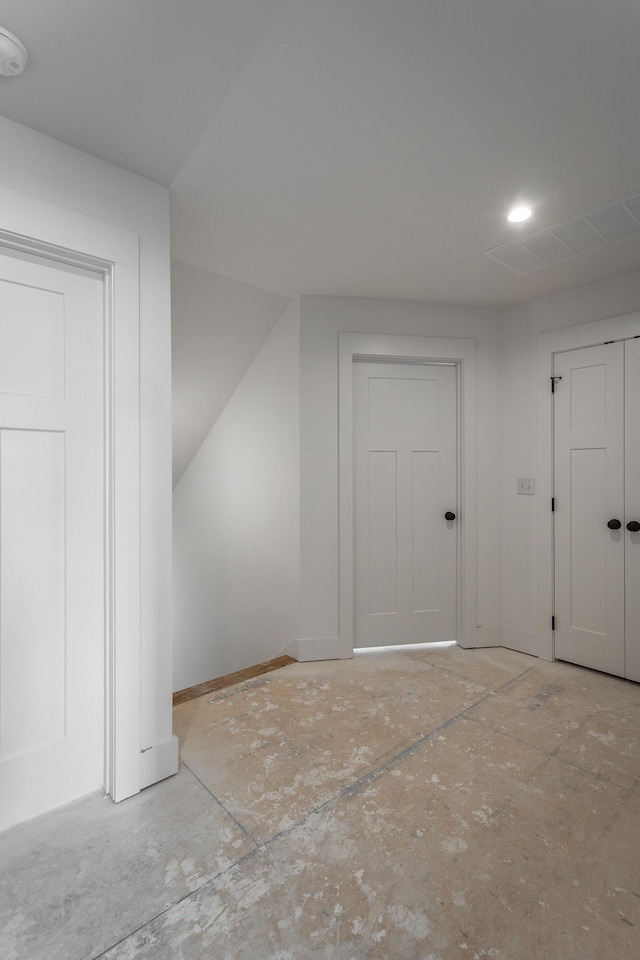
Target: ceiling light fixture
(13, 54)
(518, 214)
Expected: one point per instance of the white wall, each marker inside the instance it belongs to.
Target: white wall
(217, 327)
(236, 523)
(518, 518)
(322, 318)
(41, 167)
(521, 327)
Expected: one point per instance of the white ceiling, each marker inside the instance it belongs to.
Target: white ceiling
(134, 82)
(358, 147)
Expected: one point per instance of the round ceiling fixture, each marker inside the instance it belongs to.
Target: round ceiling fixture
(13, 54)
(518, 214)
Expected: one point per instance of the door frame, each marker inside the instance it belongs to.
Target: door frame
(32, 226)
(590, 334)
(390, 349)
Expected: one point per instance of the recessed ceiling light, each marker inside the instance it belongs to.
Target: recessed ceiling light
(518, 214)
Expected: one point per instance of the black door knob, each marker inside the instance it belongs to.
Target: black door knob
(449, 516)
(614, 524)
(633, 526)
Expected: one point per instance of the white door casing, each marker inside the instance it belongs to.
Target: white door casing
(51, 537)
(589, 492)
(35, 227)
(391, 347)
(405, 452)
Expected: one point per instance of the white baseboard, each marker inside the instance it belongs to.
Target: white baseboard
(482, 637)
(520, 640)
(321, 648)
(291, 650)
(159, 762)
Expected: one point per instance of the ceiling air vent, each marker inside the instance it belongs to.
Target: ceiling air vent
(598, 228)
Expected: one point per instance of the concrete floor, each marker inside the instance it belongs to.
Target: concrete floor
(422, 805)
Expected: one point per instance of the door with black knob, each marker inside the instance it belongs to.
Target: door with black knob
(597, 507)
(405, 485)
(632, 508)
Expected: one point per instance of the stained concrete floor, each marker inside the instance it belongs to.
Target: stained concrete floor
(419, 805)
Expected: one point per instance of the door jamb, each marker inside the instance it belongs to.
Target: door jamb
(376, 347)
(589, 334)
(34, 226)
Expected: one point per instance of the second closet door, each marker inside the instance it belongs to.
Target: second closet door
(632, 509)
(597, 504)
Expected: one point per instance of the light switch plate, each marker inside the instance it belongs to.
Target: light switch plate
(527, 486)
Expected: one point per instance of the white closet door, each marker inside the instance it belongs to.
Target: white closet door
(632, 507)
(589, 492)
(51, 538)
(405, 481)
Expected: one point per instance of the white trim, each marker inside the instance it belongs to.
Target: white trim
(319, 648)
(158, 762)
(556, 341)
(400, 647)
(521, 640)
(485, 637)
(41, 228)
(461, 352)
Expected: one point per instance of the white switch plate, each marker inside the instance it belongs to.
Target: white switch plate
(527, 485)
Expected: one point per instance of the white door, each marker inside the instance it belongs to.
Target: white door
(596, 491)
(632, 508)
(51, 537)
(405, 482)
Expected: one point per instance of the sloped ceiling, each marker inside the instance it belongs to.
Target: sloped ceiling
(364, 147)
(352, 147)
(222, 325)
(135, 82)
(373, 147)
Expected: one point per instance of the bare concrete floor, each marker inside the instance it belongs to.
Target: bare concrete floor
(423, 805)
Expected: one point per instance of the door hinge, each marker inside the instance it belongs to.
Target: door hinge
(553, 383)
(553, 504)
(553, 622)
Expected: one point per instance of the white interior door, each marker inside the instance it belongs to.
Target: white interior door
(589, 493)
(632, 508)
(51, 537)
(405, 439)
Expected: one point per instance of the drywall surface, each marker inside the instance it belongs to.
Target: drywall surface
(236, 523)
(41, 167)
(322, 319)
(518, 520)
(217, 328)
(521, 328)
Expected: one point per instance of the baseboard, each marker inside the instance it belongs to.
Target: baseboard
(520, 640)
(211, 686)
(482, 637)
(291, 651)
(322, 648)
(158, 762)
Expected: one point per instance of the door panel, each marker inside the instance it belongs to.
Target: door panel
(405, 480)
(51, 537)
(589, 491)
(383, 526)
(632, 507)
(425, 523)
(32, 588)
(32, 321)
